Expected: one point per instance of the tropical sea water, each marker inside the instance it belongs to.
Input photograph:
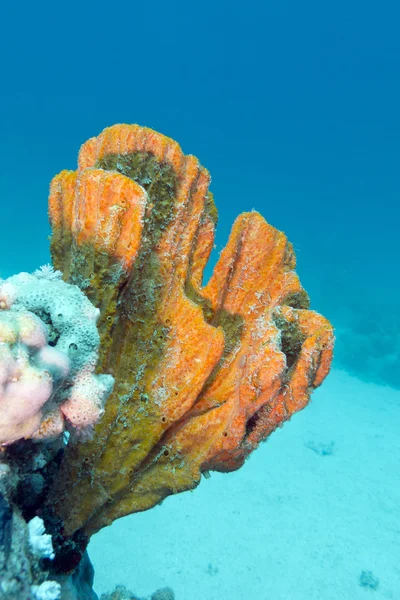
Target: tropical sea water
(293, 107)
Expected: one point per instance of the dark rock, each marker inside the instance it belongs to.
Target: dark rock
(5, 526)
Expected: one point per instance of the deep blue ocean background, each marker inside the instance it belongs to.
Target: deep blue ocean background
(292, 106)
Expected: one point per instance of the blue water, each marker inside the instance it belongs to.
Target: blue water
(293, 107)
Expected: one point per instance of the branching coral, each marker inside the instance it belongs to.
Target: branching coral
(202, 374)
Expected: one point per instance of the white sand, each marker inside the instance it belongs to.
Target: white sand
(290, 525)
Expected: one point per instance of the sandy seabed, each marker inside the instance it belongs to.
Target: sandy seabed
(313, 514)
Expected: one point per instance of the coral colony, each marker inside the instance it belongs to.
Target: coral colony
(122, 378)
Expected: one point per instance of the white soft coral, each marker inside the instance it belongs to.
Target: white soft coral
(48, 590)
(40, 541)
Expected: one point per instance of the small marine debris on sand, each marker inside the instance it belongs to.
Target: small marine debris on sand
(121, 593)
(368, 580)
(321, 448)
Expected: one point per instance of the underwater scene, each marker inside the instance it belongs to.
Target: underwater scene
(199, 301)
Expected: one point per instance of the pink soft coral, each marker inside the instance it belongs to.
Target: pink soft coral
(48, 354)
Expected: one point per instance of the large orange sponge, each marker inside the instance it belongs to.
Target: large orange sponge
(202, 374)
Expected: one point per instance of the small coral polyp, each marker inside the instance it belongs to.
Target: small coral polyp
(48, 353)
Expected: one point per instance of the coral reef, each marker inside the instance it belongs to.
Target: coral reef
(202, 374)
(26, 550)
(22, 546)
(48, 353)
